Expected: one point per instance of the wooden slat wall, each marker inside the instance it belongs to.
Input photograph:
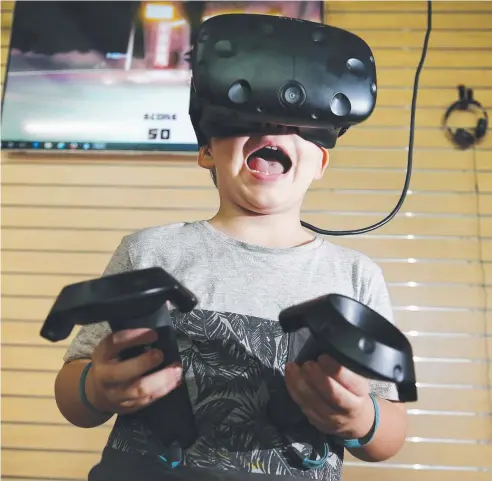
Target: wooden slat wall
(62, 218)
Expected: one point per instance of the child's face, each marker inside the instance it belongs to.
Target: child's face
(268, 181)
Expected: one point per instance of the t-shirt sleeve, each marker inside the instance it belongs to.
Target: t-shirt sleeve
(378, 299)
(89, 336)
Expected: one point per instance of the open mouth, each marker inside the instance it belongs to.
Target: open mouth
(269, 160)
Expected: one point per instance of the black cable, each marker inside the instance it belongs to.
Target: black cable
(410, 146)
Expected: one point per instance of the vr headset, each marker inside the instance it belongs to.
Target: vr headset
(265, 83)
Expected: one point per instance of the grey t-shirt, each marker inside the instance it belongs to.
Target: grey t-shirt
(241, 289)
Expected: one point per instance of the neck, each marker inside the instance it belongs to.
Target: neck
(281, 230)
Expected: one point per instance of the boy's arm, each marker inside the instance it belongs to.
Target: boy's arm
(79, 354)
(68, 400)
(68, 379)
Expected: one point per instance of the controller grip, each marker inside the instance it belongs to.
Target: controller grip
(170, 417)
(282, 410)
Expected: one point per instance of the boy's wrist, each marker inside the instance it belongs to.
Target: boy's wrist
(94, 401)
(363, 423)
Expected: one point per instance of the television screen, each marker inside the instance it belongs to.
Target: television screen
(110, 76)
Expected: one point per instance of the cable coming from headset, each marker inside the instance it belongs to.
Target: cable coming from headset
(410, 147)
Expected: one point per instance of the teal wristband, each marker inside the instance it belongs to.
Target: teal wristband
(360, 443)
(82, 394)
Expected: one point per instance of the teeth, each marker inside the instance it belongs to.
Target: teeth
(258, 172)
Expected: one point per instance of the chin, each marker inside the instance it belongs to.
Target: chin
(265, 205)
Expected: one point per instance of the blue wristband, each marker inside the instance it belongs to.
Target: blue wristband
(360, 443)
(82, 394)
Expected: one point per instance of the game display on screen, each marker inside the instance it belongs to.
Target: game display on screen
(110, 76)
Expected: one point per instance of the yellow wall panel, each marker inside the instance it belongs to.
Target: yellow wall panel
(405, 6)
(407, 474)
(51, 465)
(442, 321)
(412, 39)
(433, 97)
(430, 80)
(398, 19)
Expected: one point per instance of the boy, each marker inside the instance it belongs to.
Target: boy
(245, 265)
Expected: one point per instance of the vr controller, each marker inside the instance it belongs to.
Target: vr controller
(264, 74)
(353, 334)
(132, 300)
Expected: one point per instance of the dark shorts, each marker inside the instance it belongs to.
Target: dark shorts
(121, 466)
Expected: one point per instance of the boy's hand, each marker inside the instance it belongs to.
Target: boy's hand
(122, 387)
(335, 400)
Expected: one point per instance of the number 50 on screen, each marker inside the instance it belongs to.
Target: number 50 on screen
(159, 134)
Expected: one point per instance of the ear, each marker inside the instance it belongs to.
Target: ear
(205, 158)
(324, 163)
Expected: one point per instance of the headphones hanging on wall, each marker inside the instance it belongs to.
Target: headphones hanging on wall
(464, 138)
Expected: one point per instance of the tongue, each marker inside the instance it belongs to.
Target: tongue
(265, 166)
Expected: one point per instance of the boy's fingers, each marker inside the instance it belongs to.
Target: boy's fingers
(113, 344)
(152, 387)
(126, 371)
